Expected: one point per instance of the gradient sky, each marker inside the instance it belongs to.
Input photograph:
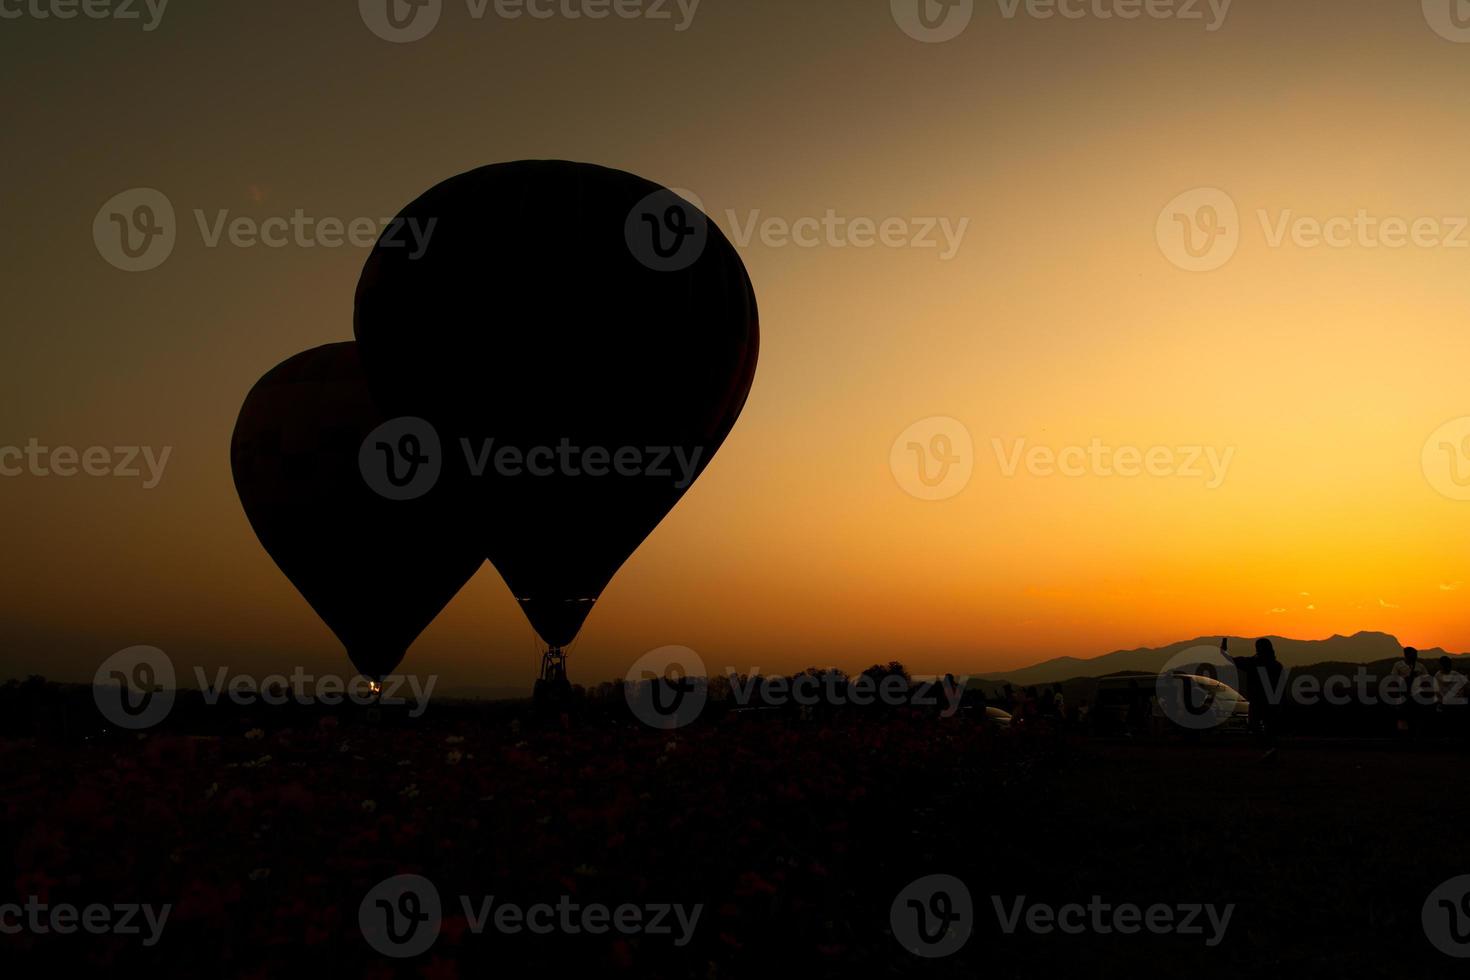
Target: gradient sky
(1060, 320)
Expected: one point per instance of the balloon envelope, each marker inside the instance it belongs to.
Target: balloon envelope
(584, 321)
(376, 569)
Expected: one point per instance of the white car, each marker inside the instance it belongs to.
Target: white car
(1135, 701)
(1216, 704)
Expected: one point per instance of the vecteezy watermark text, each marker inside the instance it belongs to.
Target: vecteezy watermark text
(405, 21)
(137, 230)
(135, 688)
(1103, 918)
(934, 459)
(403, 458)
(300, 687)
(121, 462)
(565, 459)
(401, 917)
(833, 230)
(668, 231)
(1097, 459)
(934, 916)
(120, 10)
(668, 688)
(936, 21)
(837, 689)
(62, 919)
(305, 231)
(1198, 688)
(1201, 230)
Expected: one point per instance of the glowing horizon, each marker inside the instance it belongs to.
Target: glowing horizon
(1320, 367)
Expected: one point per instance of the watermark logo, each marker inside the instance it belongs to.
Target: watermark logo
(401, 21)
(1450, 19)
(134, 688)
(933, 21)
(1446, 459)
(667, 688)
(933, 916)
(936, 21)
(934, 458)
(135, 231)
(667, 231)
(306, 689)
(1198, 688)
(1446, 917)
(1199, 231)
(401, 459)
(401, 916)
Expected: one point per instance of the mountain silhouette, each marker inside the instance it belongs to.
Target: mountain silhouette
(1364, 647)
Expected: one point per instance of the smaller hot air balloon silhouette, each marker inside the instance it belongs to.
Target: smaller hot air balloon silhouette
(595, 324)
(343, 500)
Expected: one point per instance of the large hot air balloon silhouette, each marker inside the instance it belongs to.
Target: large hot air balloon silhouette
(569, 308)
(376, 561)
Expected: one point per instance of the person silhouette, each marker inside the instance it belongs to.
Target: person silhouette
(1260, 675)
(1411, 676)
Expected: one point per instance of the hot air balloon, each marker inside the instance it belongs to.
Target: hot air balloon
(344, 500)
(572, 309)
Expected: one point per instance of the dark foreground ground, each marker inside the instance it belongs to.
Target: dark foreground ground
(795, 837)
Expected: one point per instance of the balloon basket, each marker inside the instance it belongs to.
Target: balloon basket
(552, 686)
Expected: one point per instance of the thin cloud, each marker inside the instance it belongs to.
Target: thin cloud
(1387, 605)
(1449, 586)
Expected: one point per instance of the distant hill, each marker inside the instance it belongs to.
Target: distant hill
(1360, 648)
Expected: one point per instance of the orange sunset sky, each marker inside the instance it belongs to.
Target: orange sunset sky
(1062, 317)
